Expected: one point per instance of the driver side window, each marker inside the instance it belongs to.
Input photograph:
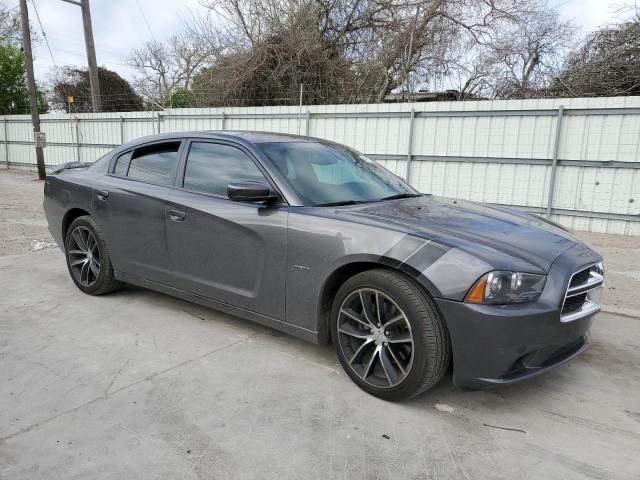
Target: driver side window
(211, 167)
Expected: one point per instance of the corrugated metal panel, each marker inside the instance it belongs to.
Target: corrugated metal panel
(494, 151)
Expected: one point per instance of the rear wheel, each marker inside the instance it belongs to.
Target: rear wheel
(388, 335)
(88, 259)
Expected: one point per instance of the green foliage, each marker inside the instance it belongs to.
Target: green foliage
(117, 94)
(14, 98)
(43, 104)
(13, 88)
(180, 98)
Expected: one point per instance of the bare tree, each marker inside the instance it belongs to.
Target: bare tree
(260, 51)
(521, 56)
(9, 27)
(607, 63)
(531, 56)
(377, 46)
(164, 67)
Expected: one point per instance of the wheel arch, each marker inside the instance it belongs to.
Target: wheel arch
(69, 217)
(343, 272)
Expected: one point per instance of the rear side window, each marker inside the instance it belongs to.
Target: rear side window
(122, 164)
(211, 167)
(154, 163)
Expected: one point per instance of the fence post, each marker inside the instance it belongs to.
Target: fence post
(300, 108)
(308, 119)
(159, 119)
(77, 139)
(554, 164)
(121, 129)
(410, 145)
(223, 117)
(6, 143)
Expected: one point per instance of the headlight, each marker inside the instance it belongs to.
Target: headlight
(500, 288)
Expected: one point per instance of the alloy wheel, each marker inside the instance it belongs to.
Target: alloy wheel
(375, 338)
(84, 256)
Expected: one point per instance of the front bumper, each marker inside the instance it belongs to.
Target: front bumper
(502, 344)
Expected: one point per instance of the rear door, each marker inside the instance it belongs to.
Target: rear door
(232, 252)
(129, 205)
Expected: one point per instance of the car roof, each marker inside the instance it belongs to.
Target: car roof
(242, 136)
(270, 137)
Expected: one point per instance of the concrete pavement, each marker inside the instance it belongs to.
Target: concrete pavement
(141, 385)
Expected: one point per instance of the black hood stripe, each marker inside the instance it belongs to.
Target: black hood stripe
(416, 252)
(404, 248)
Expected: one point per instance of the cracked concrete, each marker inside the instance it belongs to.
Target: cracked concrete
(140, 385)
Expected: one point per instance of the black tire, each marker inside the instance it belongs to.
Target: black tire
(430, 339)
(105, 281)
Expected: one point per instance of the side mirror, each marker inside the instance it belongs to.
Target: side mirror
(249, 192)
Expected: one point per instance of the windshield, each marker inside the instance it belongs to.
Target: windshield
(323, 174)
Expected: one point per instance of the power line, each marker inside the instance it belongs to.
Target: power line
(146, 21)
(75, 40)
(81, 55)
(35, 9)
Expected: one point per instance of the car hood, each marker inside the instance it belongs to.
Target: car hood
(465, 224)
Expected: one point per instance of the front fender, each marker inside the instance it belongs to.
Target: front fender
(442, 271)
(446, 272)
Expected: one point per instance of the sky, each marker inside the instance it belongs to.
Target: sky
(119, 27)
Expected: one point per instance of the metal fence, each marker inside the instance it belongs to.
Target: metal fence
(577, 160)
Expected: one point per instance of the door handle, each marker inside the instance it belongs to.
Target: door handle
(102, 195)
(177, 216)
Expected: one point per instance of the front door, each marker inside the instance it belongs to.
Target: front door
(232, 252)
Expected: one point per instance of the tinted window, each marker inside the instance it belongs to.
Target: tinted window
(155, 163)
(122, 165)
(330, 174)
(211, 167)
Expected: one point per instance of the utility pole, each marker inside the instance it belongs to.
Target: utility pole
(96, 100)
(31, 85)
(91, 56)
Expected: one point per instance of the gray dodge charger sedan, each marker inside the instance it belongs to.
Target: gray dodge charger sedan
(314, 239)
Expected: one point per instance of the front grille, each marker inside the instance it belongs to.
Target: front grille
(582, 296)
(543, 358)
(564, 352)
(580, 278)
(571, 304)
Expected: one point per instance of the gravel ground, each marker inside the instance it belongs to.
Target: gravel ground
(23, 228)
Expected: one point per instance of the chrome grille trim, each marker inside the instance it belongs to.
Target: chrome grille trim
(595, 279)
(589, 307)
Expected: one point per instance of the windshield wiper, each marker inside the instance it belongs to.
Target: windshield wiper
(402, 195)
(358, 202)
(339, 204)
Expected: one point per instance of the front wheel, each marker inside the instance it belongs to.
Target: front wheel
(88, 259)
(388, 335)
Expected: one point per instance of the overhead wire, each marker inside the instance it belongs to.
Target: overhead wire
(146, 21)
(103, 47)
(44, 34)
(84, 56)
